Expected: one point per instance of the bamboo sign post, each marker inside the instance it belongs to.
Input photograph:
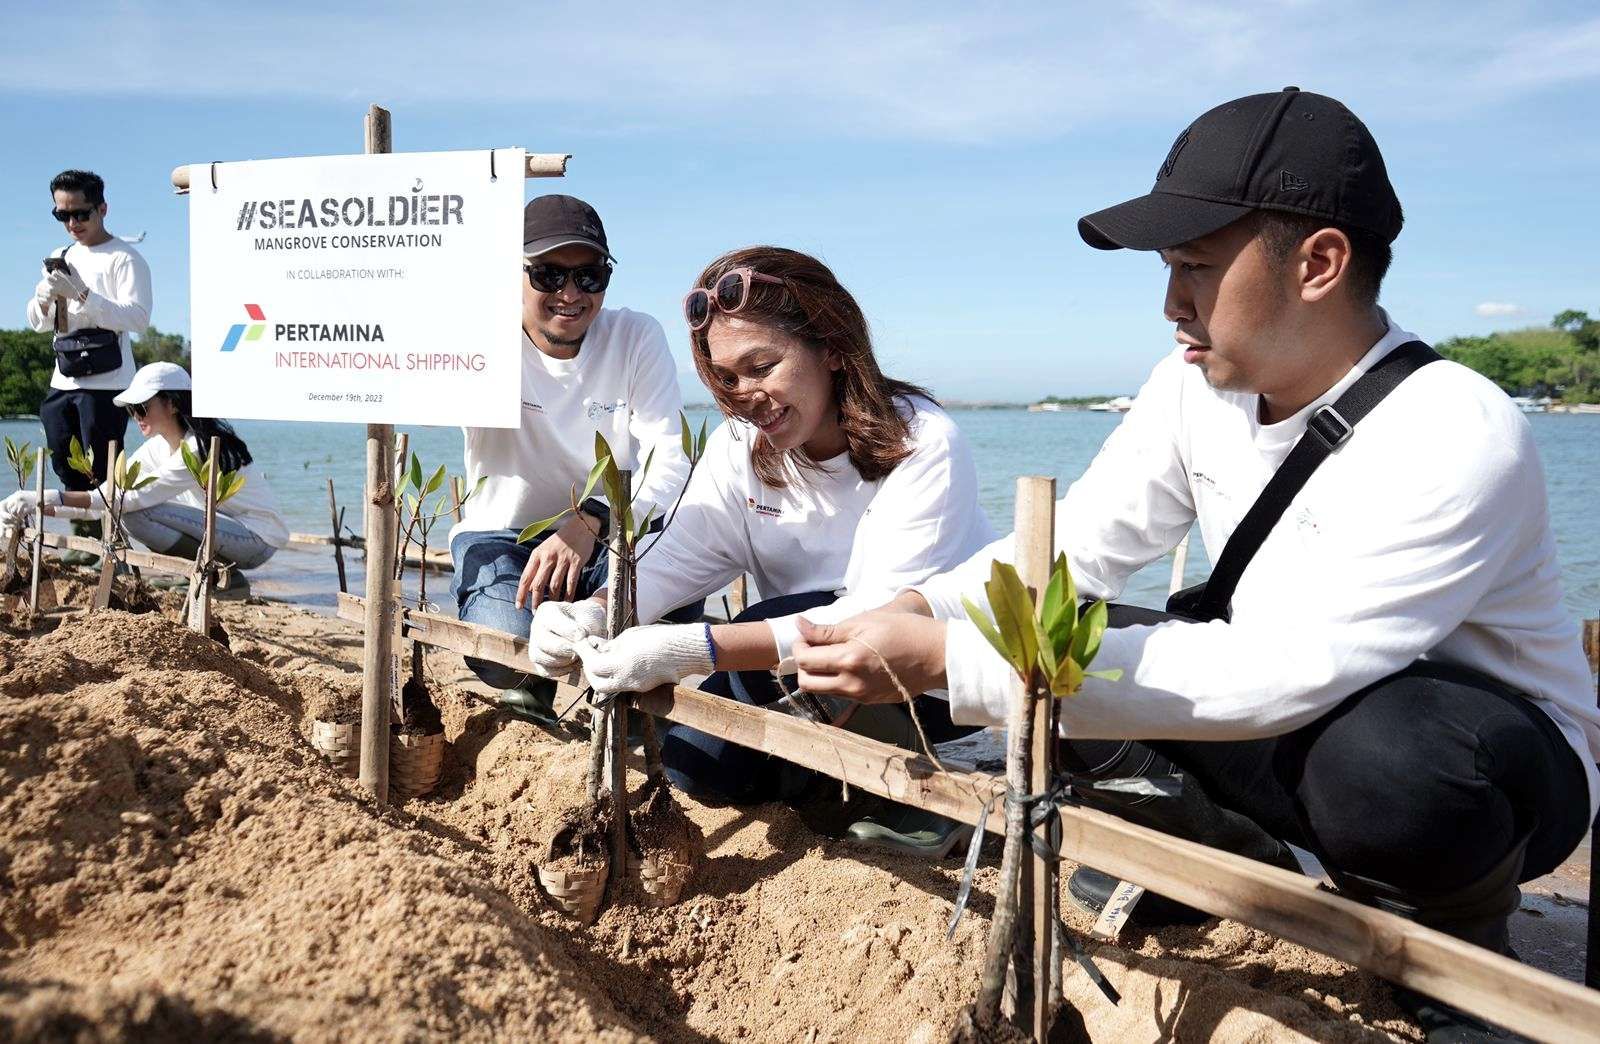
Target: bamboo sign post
(1035, 517)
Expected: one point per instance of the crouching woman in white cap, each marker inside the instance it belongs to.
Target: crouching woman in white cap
(168, 516)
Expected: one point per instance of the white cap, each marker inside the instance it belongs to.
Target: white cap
(156, 377)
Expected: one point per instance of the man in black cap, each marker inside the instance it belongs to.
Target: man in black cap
(585, 369)
(1380, 669)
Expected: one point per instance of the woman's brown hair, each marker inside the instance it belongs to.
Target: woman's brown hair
(812, 307)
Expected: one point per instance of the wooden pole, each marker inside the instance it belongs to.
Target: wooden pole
(618, 615)
(338, 545)
(1288, 905)
(108, 535)
(1035, 543)
(377, 673)
(536, 165)
(38, 541)
(200, 588)
(739, 595)
(1591, 966)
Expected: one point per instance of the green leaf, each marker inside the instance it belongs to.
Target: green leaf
(193, 463)
(78, 460)
(119, 468)
(1086, 638)
(412, 503)
(1016, 629)
(535, 528)
(414, 475)
(700, 443)
(149, 481)
(594, 476)
(434, 482)
(985, 626)
(638, 480)
(688, 436)
(1067, 678)
(236, 485)
(644, 525)
(1109, 674)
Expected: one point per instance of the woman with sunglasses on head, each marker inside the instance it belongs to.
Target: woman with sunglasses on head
(168, 516)
(834, 485)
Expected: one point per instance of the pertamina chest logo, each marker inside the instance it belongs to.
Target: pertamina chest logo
(764, 509)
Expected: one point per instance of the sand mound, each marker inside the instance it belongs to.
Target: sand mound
(168, 835)
(177, 862)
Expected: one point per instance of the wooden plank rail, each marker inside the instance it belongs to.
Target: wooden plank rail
(1288, 905)
(133, 556)
(438, 558)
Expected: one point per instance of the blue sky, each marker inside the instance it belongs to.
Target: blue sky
(936, 155)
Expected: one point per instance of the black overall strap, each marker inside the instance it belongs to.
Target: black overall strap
(1328, 429)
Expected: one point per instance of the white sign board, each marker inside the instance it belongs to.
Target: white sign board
(378, 289)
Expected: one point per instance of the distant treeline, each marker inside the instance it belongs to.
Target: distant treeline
(27, 361)
(1561, 360)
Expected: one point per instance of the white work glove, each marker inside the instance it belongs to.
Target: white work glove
(557, 628)
(642, 658)
(67, 284)
(44, 292)
(21, 507)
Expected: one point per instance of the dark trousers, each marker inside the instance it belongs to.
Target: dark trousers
(488, 567)
(1424, 780)
(93, 419)
(704, 765)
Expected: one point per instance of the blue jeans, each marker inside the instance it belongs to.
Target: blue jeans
(488, 566)
(708, 766)
(177, 528)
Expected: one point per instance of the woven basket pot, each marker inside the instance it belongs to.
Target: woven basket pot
(415, 764)
(661, 876)
(576, 893)
(340, 744)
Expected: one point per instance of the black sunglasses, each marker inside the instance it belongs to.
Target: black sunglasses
(591, 279)
(64, 216)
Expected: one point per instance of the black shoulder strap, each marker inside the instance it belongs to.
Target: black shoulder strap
(1328, 429)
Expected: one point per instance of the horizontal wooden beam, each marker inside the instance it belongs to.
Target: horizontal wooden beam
(143, 559)
(537, 165)
(1288, 905)
(438, 558)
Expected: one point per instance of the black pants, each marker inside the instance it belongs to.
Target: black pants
(709, 766)
(93, 419)
(1422, 780)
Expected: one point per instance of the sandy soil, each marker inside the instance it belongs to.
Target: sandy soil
(177, 861)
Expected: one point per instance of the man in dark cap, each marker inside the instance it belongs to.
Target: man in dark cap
(1380, 669)
(585, 369)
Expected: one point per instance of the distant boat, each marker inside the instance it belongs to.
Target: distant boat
(1121, 404)
(1584, 407)
(1045, 407)
(1530, 405)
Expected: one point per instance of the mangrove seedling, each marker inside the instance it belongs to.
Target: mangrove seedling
(19, 457)
(1050, 651)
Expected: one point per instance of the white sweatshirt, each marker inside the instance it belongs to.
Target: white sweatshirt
(253, 507)
(1426, 536)
(827, 530)
(624, 385)
(119, 299)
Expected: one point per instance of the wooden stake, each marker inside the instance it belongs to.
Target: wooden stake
(458, 487)
(1035, 542)
(38, 541)
(200, 585)
(108, 535)
(537, 165)
(377, 660)
(618, 615)
(338, 545)
(739, 595)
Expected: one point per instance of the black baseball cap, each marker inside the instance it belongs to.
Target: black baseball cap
(1292, 151)
(552, 222)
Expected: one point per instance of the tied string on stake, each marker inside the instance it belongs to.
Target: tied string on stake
(1044, 810)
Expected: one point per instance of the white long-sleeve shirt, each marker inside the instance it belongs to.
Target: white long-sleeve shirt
(253, 507)
(119, 299)
(827, 530)
(1426, 536)
(622, 384)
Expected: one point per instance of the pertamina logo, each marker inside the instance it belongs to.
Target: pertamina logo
(764, 509)
(250, 331)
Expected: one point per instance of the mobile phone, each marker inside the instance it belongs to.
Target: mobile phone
(55, 264)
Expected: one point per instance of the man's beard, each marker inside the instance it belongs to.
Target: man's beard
(562, 342)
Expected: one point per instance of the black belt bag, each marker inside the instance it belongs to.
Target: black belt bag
(1329, 428)
(87, 352)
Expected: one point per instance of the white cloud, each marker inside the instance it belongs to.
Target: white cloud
(897, 70)
(1498, 309)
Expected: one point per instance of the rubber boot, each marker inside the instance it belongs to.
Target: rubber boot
(1190, 814)
(890, 825)
(1479, 913)
(89, 528)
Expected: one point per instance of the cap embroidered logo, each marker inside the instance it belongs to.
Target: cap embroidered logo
(1172, 156)
(1291, 182)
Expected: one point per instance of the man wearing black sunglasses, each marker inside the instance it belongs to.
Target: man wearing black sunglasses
(585, 369)
(94, 293)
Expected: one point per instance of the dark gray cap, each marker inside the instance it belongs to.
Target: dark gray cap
(552, 222)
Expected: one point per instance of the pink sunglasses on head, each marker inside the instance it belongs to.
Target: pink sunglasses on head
(728, 295)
